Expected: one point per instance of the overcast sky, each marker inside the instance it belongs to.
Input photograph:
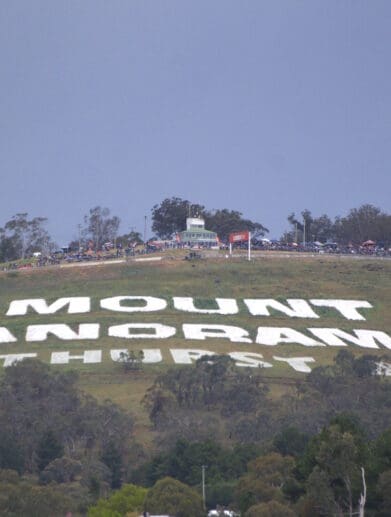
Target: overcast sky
(262, 106)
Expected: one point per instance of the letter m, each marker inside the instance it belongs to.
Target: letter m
(76, 304)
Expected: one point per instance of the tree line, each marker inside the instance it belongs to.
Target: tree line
(215, 398)
(22, 236)
(361, 224)
(332, 473)
(59, 448)
(322, 449)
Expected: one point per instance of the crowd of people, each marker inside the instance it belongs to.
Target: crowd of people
(106, 252)
(370, 249)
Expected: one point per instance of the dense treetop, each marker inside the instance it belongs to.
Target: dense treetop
(21, 236)
(307, 453)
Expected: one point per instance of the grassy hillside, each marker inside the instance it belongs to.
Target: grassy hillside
(265, 277)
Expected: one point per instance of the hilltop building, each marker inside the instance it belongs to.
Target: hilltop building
(196, 234)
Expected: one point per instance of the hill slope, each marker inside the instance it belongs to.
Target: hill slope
(276, 278)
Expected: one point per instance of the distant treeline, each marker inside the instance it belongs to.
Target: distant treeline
(311, 453)
(22, 236)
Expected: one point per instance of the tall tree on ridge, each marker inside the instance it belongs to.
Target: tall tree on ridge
(100, 227)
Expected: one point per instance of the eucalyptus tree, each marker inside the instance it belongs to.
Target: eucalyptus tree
(100, 227)
(21, 236)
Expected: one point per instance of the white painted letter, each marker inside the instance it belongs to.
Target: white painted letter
(10, 359)
(365, 338)
(249, 359)
(88, 357)
(151, 355)
(6, 336)
(151, 304)
(226, 306)
(76, 304)
(188, 355)
(274, 335)
(62, 331)
(383, 369)
(346, 307)
(159, 331)
(297, 363)
(298, 308)
(234, 334)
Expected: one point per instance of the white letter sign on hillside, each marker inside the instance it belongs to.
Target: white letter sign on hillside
(179, 356)
(273, 336)
(249, 360)
(234, 334)
(159, 331)
(10, 359)
(151, 355)
(293, 308)
(76, 304)
(348, 308)
(225, 306)
(188, 355)
(62, 331)
(383, 369)
(88, 357)
(363, 338)
(149, 304)
(216, 310)
(298, 363)
(298, 308)
(6, 336)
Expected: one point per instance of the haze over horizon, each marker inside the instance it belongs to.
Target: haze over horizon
(263, 107)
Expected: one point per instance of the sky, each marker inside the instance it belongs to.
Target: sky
(267, 107)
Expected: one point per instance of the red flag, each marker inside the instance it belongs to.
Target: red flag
(239, 236)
